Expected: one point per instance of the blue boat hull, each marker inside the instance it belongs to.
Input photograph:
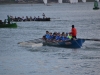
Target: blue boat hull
(69, 44)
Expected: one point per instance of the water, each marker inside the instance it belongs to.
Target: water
(44, 60)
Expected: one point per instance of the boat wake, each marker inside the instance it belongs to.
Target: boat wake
(31, 43)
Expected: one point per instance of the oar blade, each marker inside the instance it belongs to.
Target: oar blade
(92, 39)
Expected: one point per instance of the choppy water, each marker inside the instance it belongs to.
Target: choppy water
(17, 60)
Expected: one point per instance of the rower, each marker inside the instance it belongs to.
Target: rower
(69, 36)
(30, 18)
(0, 21)
(5, 21)
(46, 36)
(34, 18)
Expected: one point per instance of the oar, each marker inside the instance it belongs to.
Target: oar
(92, 39)
(39, 40)
(54, 18)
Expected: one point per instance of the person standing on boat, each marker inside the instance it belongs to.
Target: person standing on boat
(73, 32)
(8, 19)
(43, 15)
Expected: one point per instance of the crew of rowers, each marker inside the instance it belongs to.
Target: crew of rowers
(27, 18)
(57, 37)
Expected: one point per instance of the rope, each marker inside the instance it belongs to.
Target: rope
(78, 43)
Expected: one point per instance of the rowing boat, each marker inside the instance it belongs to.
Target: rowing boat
(68, 44)
(28, 19)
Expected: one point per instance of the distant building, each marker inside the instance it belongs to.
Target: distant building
(49, 1)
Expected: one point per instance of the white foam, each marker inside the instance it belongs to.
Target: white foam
(37, 45)
(30, 44)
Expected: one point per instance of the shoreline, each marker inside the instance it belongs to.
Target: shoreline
(3, 3)
(19, 3)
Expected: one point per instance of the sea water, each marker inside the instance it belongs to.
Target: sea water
(45, 60)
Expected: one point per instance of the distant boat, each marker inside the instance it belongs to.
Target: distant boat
(29, 19)
(12, 25)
